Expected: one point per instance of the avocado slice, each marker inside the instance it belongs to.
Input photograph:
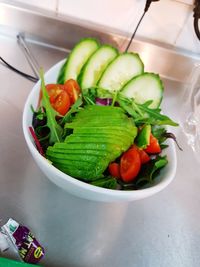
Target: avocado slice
(102, 153)
(85, 146)
(84, 175)
(97, 139)
(101, 109)
(143, 138)
(83, 171)
(62, 157)
(130, 130)
(109, 123)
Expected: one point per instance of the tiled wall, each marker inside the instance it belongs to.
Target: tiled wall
(167, 21)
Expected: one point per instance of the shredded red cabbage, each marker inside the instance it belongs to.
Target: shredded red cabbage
(37, 142)
(103, 101)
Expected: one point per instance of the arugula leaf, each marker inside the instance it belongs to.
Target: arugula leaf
(143, 114)
(74, 108)
(89, 96)
(104, 93)
(154, 116)
(55, 129)
(173, 137)
(147, 174)
(159, 132)
(106, 182)
(151, 169)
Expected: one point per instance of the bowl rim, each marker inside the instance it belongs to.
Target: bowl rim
(126, 194)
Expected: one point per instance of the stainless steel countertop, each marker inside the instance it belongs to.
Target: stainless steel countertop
(162, 230)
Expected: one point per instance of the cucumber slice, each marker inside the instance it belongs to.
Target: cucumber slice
(120, 71)
(77, 58)
(94, 67)
(145, 87)
(61, 74)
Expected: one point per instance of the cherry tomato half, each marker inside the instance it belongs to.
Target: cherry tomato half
(51, 88)
(153, 147)
(73, 90)
(61, 102)
(114, 169)
(53, 91)
(58, 98)
(130, 165)
(144, 157)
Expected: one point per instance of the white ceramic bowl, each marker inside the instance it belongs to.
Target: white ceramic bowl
(76, 187)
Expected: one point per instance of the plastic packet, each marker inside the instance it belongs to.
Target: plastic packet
(4, 245)
(190, 112)
(23, 240)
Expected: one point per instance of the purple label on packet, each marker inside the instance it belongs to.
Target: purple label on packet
(28, 247)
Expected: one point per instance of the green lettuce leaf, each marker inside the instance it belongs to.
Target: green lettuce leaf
(55, 129)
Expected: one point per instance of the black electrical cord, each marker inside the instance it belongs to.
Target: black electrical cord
(147, 5)
(197, 18)
(25, 75)
(133, 35)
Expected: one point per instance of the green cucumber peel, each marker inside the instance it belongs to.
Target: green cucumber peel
(61, 74)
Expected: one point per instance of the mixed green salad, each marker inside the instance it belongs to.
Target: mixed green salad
(101, 122)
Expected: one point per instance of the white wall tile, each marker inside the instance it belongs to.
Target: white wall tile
(187, 38)
(167, 21)
(164, 21)
(116, 14)
(45, 4)
(188, 2)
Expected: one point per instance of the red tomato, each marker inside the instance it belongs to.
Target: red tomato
(52, 87)
(153, 147)
(114, 169)
(73, 90)
(58, 98)
(130, 165)
(144, 157)
(53, 91)
(61, 102)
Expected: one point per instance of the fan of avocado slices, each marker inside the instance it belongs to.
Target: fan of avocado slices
(100, 134)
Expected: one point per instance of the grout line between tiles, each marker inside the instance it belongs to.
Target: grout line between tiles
(182, 28)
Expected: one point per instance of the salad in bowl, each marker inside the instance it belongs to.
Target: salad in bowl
(94, 125)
